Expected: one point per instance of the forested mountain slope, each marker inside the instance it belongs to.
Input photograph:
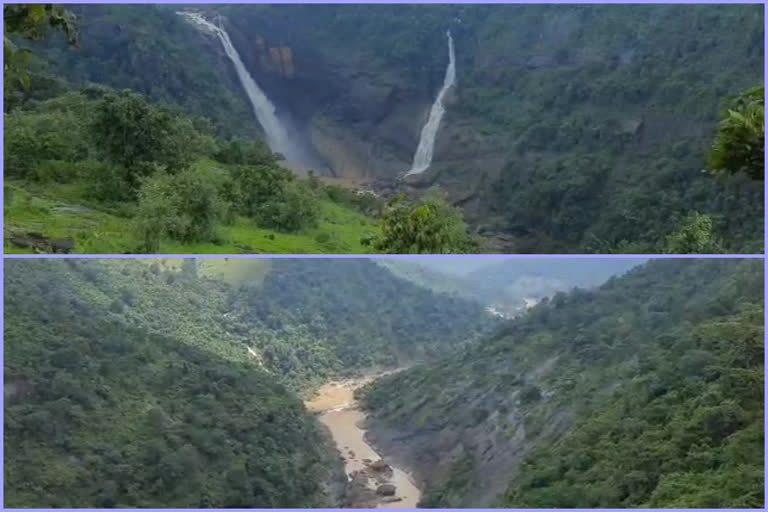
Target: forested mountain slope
(141, 383)
(302, 319)
(571, 128)
(145, 48)
(647, 392)
(102, 413)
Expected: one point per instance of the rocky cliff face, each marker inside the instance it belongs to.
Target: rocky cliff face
(532, 86)
(469, 458)
(362, 118)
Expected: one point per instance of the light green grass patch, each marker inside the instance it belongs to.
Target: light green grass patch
(62, 211)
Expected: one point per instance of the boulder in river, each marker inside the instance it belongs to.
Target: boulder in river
(379, 465)
(386, 490)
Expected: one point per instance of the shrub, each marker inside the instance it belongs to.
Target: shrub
(431, 226)
(293, 209)
(185, 207)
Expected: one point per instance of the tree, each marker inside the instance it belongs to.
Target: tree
(255, 185)
(271, 196)
(431, 226)
(140, 136)
(241, 151)
(740, 142)
(295, 208)
(694, 237)
(54, 135)
(31, 21)
(185, 207)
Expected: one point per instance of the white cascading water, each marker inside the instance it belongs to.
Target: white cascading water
(423, 157)
(277, 135)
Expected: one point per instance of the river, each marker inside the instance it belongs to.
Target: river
(337, 409)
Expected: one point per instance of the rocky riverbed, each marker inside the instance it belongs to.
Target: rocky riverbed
(373, 482)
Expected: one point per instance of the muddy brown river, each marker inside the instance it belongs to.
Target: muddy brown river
(338, 410)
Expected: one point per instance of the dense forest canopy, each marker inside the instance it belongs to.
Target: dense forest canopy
(570, 129)
(647, 392)
(121, 415)
(301, 319)
(139, 383)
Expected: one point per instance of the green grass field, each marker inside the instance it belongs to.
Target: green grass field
(63, 211)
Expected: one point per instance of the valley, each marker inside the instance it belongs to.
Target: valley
(180, 344)
(316, 383)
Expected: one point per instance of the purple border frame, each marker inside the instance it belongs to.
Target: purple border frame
(388, 256)
(498, 256)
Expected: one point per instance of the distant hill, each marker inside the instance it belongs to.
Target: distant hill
(510, 285)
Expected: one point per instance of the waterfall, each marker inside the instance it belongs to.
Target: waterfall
(423, 157)
(277, 135)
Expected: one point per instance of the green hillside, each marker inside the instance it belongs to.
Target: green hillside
(171, 382)
(101, 411)
(573, 129)
(210, 196)
(647, 392)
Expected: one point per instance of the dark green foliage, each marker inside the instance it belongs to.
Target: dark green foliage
(586, 127)
(131, 384)
(152, 51)
(131, 136)
(366, 203)
(270, 195)
(740, 142)
(108, 143)
(185, 207)
(353, 299)
(140, 137)
(647, 392)
(100, 413)
(122, 151)
(694, 237)
(294, 208)
(690, 421)
(239, 151)
(578, 128)
(430, 226)
(56, 130)
(612, 114)
(30, 21)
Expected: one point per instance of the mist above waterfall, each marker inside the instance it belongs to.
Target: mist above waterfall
(423, 157)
